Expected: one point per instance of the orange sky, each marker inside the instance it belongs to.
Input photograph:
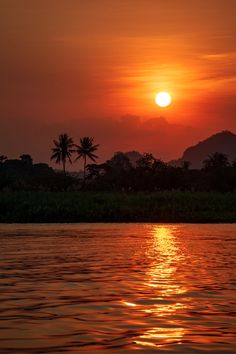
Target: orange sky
(93, 68)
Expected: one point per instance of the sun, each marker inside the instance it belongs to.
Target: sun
(163, 99)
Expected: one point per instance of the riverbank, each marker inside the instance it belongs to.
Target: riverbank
(72, 207)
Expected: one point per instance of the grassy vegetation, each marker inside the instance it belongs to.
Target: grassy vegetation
(173, 206)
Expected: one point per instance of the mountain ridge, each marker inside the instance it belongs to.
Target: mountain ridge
(223, 142)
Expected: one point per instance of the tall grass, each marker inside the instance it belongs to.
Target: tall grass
(117, 207)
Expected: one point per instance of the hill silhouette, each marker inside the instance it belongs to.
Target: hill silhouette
(223, 142)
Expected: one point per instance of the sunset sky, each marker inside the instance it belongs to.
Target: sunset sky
(93, 68)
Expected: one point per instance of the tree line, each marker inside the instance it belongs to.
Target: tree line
(120, 173)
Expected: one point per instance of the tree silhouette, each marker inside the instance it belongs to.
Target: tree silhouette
(120, 162)
(63, 150)
(146, 161)
(26, 159)
(217, 172)
(185, 165)
(86, 150)
(234, 163)
(216, 161)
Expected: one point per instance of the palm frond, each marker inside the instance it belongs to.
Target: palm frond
(62, 149)
(92, 157)
(78, 157)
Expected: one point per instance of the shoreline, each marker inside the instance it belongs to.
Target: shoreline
(115, 207)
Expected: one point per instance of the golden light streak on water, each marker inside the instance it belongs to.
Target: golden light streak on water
(161, 276)
(128, 303)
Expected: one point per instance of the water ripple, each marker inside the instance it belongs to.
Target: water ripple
(117, 288)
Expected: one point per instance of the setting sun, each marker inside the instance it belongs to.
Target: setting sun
(163, 99)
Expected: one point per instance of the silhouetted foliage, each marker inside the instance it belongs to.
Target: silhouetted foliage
(26, 159)
(22, 174)
(217, 172)
(185, 165)
(86, 150)
(147, 173)
(163, 206)
(152, 174)
(63, 150)
(146, 162)
(216, 161)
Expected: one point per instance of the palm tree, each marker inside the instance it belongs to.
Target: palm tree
(86, 149)
(63, 150)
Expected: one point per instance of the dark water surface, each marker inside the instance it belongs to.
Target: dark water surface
(118, 288)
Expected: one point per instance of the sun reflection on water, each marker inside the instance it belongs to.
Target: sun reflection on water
(161, 280)
(166, 257)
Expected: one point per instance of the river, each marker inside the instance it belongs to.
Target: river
(118, 288)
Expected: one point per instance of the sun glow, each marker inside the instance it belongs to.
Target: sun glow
(163, 99)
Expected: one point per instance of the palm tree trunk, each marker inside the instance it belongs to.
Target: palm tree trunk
(64, 166)
(84, 166)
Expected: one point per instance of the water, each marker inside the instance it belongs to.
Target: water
(118, 288)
